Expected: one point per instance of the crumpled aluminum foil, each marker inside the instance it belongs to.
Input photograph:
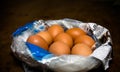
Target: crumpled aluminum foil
(65, 63)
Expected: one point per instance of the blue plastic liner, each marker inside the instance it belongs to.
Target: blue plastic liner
(37, 52)
(23, 28)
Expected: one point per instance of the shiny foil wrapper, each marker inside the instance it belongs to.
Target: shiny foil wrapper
(38, 58)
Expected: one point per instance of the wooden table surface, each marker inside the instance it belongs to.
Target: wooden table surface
(15, 13)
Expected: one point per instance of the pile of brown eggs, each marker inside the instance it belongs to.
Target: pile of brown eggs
(59, 42)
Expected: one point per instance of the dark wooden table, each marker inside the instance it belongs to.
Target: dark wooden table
(15, 13)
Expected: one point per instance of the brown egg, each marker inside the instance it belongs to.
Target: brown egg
(59, 48)
(46, 36)
(64, 37)
(55, 29)
(85, 39)
(38, 41)
(75, 32)
(81, 49)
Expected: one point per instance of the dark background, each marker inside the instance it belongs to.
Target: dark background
(15, 13)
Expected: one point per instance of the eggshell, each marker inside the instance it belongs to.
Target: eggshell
(38, 41)
(59, 48)
(81, 49)
(85, 39)
(55, 29)
(46, 36)
(64, 37)
(75, 32)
